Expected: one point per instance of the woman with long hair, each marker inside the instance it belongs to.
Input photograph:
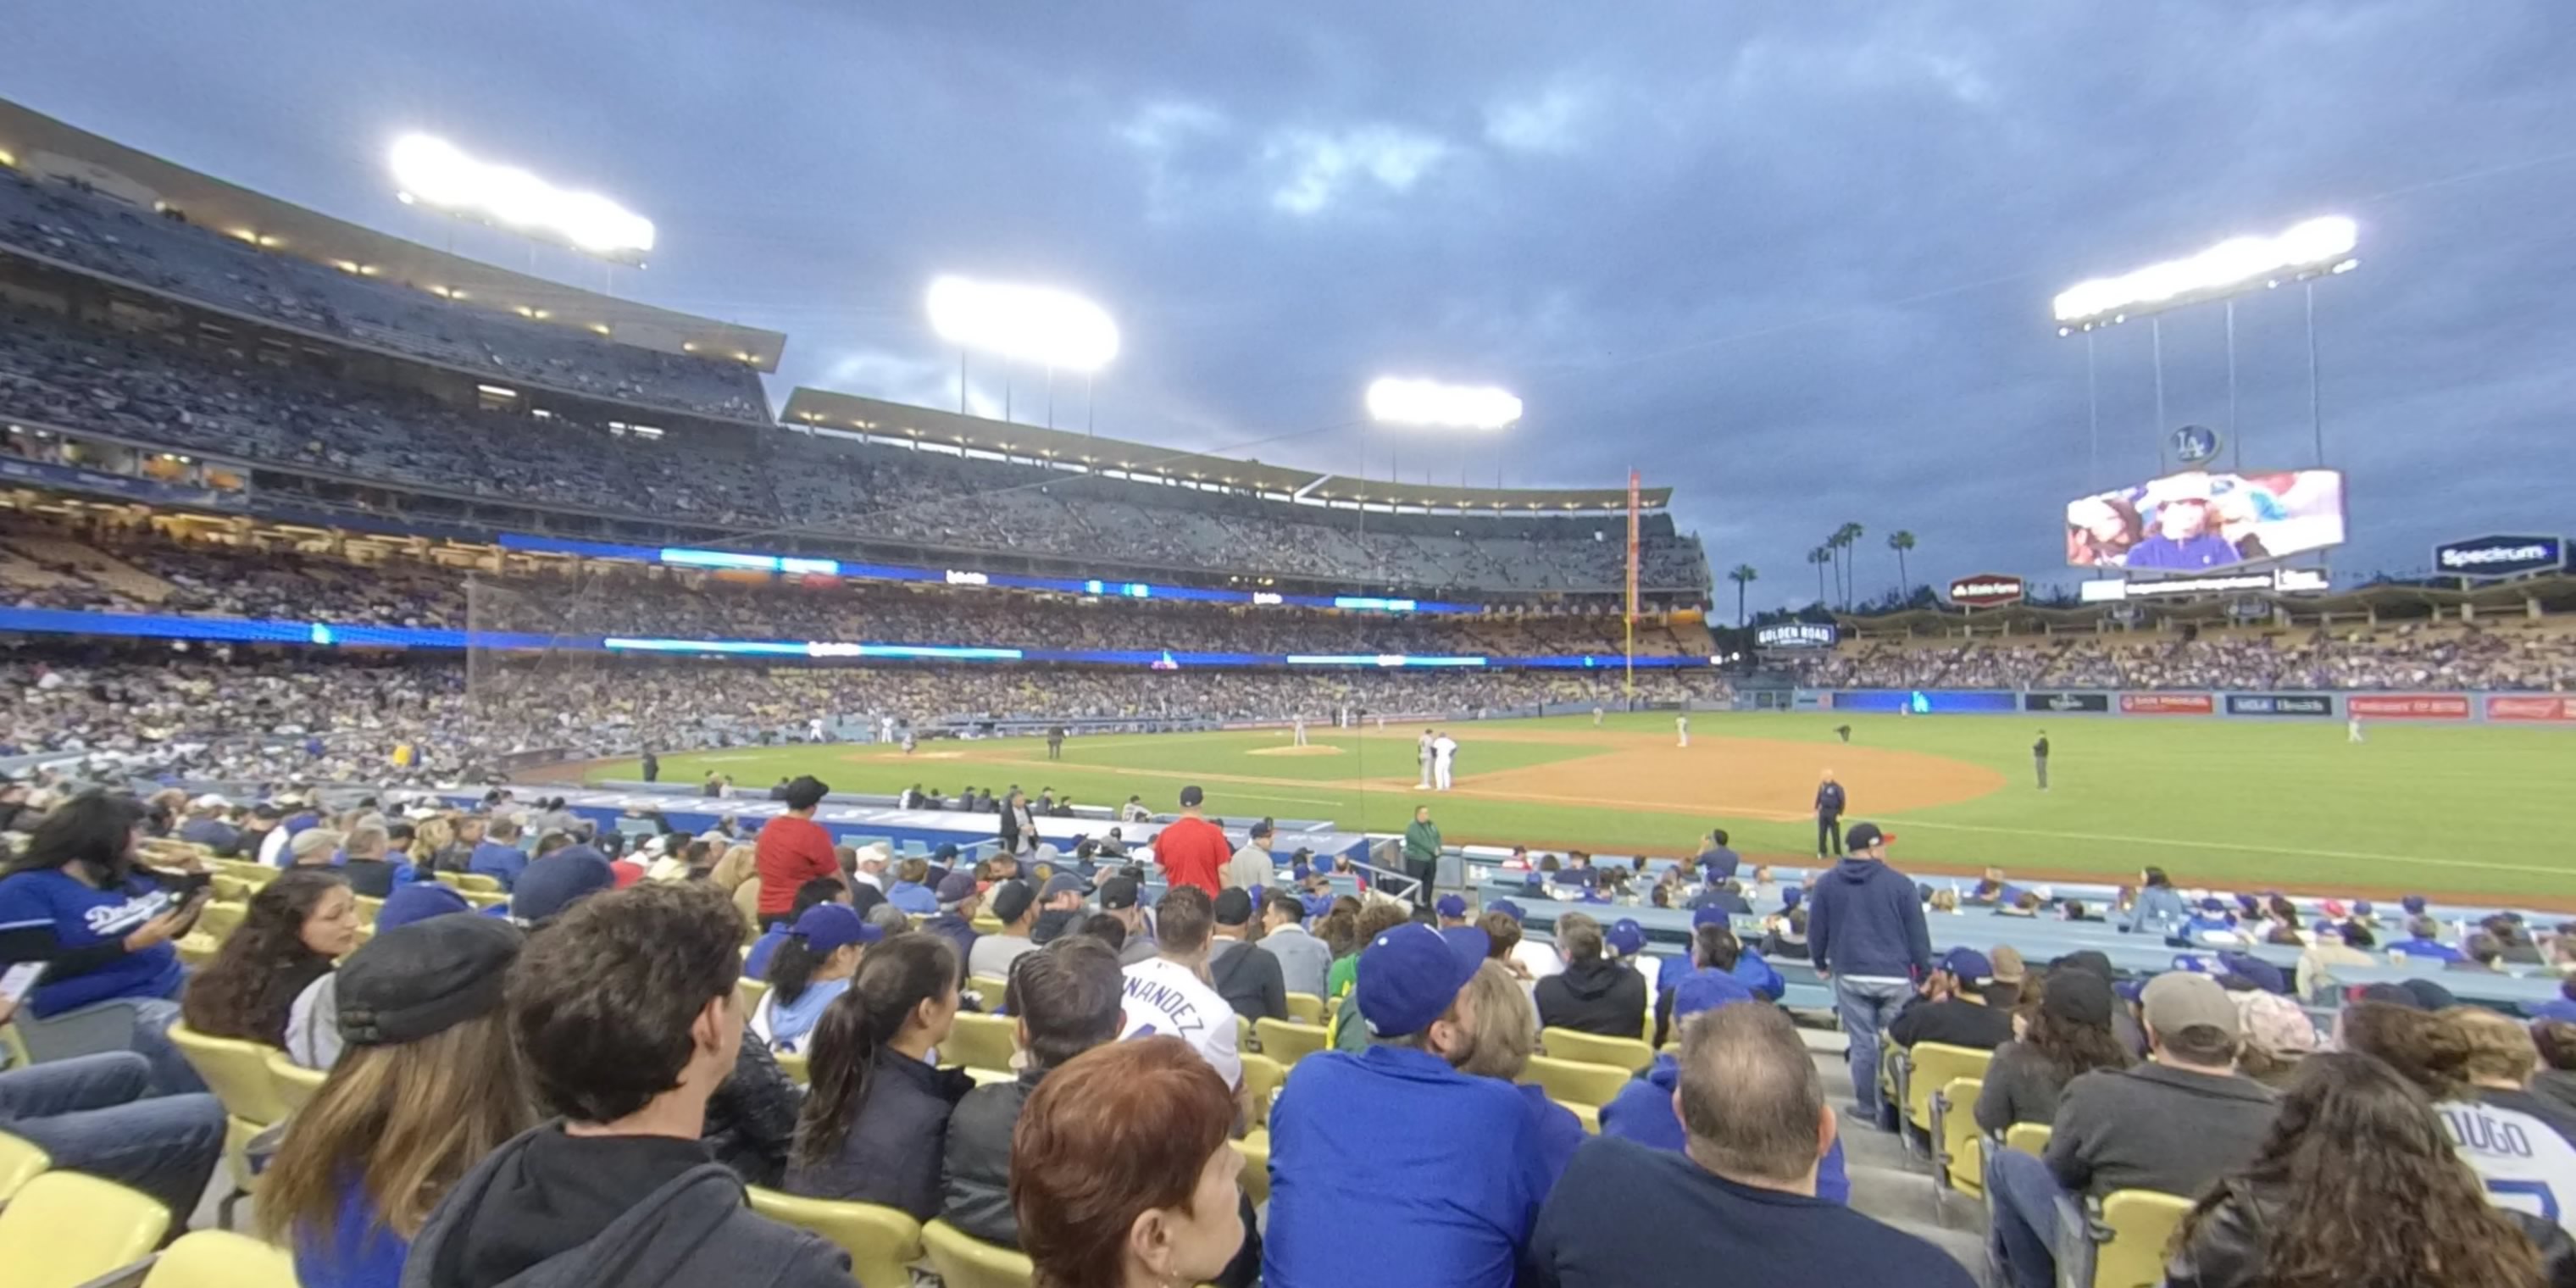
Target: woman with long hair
(810, 969)
(79, 899)
(1122, 1173)
(2068, 1035)
(428, 1084)
(2357, 1186)
(297, 925)
(875, 1123)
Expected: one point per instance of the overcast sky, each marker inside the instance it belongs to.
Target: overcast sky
(1794, 261)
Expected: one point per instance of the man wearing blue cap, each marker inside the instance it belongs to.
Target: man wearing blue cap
(1952, 1009)
(1865, 934)
(1394, 1140)
(1451, 910)
(1644, 1111)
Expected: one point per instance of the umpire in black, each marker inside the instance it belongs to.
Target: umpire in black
(1830, 803)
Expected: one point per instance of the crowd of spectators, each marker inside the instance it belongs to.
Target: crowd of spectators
(271, 409)
(56, 567)
(2407, 656)
(267, 716)
(164, 251)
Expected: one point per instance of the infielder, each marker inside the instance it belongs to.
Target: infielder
(1444, 755)
(1681, 725)
(1422, 753)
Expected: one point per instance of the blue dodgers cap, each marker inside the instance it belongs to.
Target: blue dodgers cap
(1409, 977)
(1709, 916)
(1968, 964)
(1507, 908)
(1450, 905)
(2213, 904)
(556, 882)
(1792, 897)
(1706, 990)
(1626, 937)
(2361, 908)
(410, 903)
(827, 928)
(2414, 905)
(2263, 974)
(2193, 963)
(1064, 883)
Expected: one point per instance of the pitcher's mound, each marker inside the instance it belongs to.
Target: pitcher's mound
(1312, 749)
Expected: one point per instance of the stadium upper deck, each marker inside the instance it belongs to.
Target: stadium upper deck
(165, 309)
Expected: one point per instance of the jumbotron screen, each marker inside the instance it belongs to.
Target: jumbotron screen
(2197, 520)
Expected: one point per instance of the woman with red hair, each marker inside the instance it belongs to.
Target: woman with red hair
(1122, 1173)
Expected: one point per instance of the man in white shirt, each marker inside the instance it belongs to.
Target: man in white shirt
(1422, 754)
(1169, 995)
(1444, 754)
(1539, 959)
(1681, 725)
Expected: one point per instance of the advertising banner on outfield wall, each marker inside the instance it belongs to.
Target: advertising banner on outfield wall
(2167, 704)
(2069, 702)
(2279, 704)
(2409, 706)
(2532, 707)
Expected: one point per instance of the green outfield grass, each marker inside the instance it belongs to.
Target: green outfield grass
(2461, 809)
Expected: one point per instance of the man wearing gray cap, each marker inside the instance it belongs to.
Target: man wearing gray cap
(2173, 1125)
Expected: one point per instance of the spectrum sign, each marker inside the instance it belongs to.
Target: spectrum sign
(2483, 557)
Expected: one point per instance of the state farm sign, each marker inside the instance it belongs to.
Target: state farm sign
(1986, 590)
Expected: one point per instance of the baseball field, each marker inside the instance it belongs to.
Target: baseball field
(2462, 810)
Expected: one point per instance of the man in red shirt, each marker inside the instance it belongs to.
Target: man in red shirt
(793, 849)
(1193, 850)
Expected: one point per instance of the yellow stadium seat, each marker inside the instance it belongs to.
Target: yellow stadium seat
(2029, 1138)
(64, 1229)
(1305, 1008)
(486, 898)
(295, 1083)
(368, 907)
(1591, 1048)
(1261, 1078)
(219, 918)
(217, 1259)
(1587, 1115)
(981, 1042)
(231, 889)
(198, 948)
(1959, 1157)
(794, 1066)
(883, 1242)
(962, 1261)
(749, 991)
(1255, 1149)
(237, 1072)
(986, 924)
(20, 1162)
(14, 1044)
(1929, 1066)
(469, 882)
(2130, 1241)
(1573, 1083)
(1288, 1042)
(992, 990)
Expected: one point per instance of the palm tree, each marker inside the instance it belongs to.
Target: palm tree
(1740, 575)
(1900, 542)
(1820, 556)
(1847, 537)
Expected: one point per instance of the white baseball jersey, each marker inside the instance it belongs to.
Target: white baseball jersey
(2525, 1164)
(1167, 999)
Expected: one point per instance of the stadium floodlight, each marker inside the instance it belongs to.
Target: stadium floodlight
(435, 173)
(1054, 329)
(1429, 402)
(2306, 249)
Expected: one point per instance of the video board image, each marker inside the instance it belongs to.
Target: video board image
(2197, 520)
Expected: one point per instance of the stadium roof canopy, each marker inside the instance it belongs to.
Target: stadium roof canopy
(2555, 592)
(42, 146)
(903, 423)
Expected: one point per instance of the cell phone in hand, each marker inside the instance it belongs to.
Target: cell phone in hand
(19, 980)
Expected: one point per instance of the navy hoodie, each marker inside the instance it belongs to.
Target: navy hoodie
(1865, 918)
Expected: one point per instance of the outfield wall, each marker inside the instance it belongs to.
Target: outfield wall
(2165, 704)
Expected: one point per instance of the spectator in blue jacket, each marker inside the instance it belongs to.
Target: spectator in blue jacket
(2211, 923)
(1716, 950)
(2160, 909)
(1647, 1111)
(2424, 939)
(499, 856)
(1393, 1139)
(1866, 935)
